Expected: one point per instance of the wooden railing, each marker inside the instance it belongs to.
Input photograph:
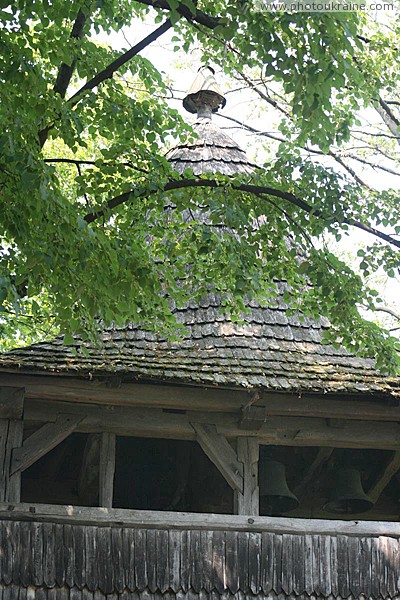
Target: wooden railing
(79, 552)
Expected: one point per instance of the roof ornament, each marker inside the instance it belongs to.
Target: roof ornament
(213, 151)
(204, 96)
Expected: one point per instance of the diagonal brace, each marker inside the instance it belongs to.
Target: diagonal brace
(43, 440)
(221, 453)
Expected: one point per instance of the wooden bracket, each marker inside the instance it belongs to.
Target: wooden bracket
(253, 417)
(11, 402)
(221, 453)
(43, 440)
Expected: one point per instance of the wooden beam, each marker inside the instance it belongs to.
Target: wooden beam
(11, 402)
(107, 469)
(323, 455)
(280, 431)
(98, 391)
(114, 517)
(330, 408)
(389, 471)
(11, 432)
(221, 453)
(43, 440)
(248, 501)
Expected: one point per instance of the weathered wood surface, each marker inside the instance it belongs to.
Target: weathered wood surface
(117, 560)
(14, 592)
(107, 469)
(221, 453)
(247, 500)
(11, 432)
(101, 391)
(11, 402)
(180, 520)
(278, 430)
(43, 440)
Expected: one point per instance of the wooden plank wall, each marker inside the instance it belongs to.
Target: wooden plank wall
(82, 561)
(14, 592)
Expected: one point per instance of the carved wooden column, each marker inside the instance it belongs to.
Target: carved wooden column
(247, 502)
(11, 432)
(240, 468)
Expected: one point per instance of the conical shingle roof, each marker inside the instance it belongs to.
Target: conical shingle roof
(271, 349)
(212, 151)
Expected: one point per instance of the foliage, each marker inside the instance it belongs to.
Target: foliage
(93, 224)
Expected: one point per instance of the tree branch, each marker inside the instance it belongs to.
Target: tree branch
(198, 16)
(74, 161)
(371, 134)
(389, 311)
(65, 71)
(252, 189)
(270, 101)
(388, 118)
(374, 165)
(110, 70)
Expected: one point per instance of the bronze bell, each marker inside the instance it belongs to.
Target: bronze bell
(275, 496)
(348, 496)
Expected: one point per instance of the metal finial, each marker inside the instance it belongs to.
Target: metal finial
(205, 95)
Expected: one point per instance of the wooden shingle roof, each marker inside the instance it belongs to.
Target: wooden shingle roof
(211, 152)
(269, 350)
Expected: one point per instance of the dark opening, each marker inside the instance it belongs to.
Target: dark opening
(150, 474)
(59, 478)
(160, 474)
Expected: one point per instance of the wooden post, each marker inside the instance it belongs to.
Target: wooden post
(11, 432)
(248, 502)
(107, 469)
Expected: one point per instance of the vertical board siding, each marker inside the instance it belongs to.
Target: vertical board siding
(140, 562)
(61, 561)
(174, 555)
(254, 561)
(267, 563)
(277, 564)
(231, 561)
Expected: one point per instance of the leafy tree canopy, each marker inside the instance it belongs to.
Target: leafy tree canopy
(84, 185)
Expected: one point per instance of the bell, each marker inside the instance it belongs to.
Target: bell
(275, 496)
(348, 497)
